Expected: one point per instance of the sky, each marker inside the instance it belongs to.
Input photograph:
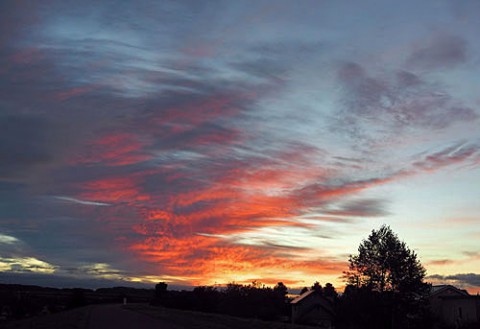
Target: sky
(206, 142)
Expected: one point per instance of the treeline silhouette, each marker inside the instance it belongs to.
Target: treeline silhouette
(252, 301)
(356, 308)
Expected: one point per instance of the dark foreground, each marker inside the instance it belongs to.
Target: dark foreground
(140, 316)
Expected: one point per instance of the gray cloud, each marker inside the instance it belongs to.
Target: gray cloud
(462, 279)
(360, 208)
(472, 279)
(377, 110)
(63, 281)
(25, 143)
(441, 51)
(454, 154)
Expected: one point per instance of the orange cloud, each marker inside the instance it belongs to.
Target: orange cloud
(208, 260)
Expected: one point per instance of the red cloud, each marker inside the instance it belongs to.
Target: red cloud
(114, 150)
(112, 190)
(199, 112)
(442, 262)
(72, 92)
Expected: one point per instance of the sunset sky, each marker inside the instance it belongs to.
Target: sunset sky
(202, 142)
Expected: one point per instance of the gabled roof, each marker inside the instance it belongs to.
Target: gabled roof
(438, 290)
(327, 306)
(307, 294)
(302, 296)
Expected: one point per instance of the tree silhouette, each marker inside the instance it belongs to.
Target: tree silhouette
(385, 287)
(160, 289)
(329, 291)
(317, 287)
(281, 290)
(384, 263)
(304, 290)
